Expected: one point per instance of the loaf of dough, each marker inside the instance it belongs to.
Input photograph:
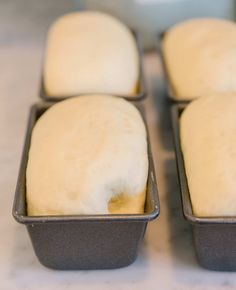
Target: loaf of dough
(90, 52)
(200, 57)
(88, 155)
(208, 139)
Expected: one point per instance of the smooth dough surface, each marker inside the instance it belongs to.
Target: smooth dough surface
(208, 139)
(88, 155)
(90, 52)
(200, 57)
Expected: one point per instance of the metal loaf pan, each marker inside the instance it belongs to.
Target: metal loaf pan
(169, 86)
(83, 241)
(141, 94)
(214, 237)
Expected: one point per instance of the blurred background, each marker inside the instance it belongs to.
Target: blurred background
(23, 19)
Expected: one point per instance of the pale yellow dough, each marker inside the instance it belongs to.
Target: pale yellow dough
(200, 56)
(90, 52)
(88, 155)
(208, 141)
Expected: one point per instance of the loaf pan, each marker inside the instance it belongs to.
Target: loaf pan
(169, 86)
(83, 241)
(141, 94)
(214, 237)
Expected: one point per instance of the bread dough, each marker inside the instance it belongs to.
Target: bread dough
(200, 57)
(88, 155)
(90, 52)
(208, 139)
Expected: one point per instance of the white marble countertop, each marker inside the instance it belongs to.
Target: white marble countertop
(166, 259)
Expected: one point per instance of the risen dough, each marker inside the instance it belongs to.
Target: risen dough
(88, 155)
(200, 56)
(90, 52)
(208, 140)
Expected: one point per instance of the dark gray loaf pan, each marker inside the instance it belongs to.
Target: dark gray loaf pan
(83, 241)
(141, 94)
(214, 237)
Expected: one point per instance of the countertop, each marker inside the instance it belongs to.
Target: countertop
(166, 259)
